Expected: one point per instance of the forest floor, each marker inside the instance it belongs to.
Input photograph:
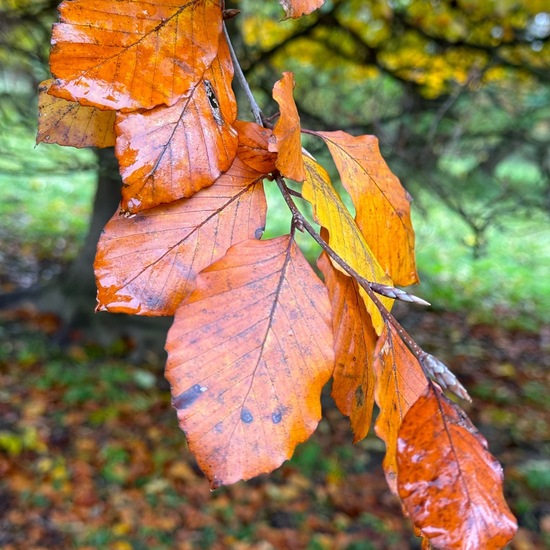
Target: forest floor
(91, 455)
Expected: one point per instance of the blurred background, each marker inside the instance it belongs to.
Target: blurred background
(458, 93)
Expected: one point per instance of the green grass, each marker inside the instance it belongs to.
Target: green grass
(43, 207)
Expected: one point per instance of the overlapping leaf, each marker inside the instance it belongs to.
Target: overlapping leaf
(354, 343)
(248, 354)
(169, 153)
(400, 381)
(69, 123)
(297, 8)
(132, 54)
(146, 264)
(345, 237)
(383, 206)
(253, 147)
(286, 133)
(449, 483)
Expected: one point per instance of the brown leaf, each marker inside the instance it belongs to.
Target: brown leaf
(400, 381)
(345, 237)
(169, 153)
(69, 123)
(147, 263)
(354, 343)
(297, 8)
(132, 54)
(248, 354)
(382, 205)
(449, 483)
(253, 147)
(286, 134)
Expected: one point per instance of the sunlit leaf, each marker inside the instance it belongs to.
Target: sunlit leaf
(131, 54)
(449, 483)
(400, 381)
(147, 263)
(169, 153)
(248, 354)
(253, 147)
(69, 123)
(345, 237)
(297, 8)
(382, 205)
(286, 133)
(354, 342)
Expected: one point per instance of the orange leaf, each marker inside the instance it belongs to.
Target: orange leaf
(381, 203)
(248, 355)
(169, 153)
(253, 147)
(69, 123)
(297, 8)
(286, 134)
(449, 483)
(354, 342)
(345, 237)
(132, 54)
(147, 263)
(400, 381)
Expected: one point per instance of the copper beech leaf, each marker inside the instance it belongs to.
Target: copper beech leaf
(253, 147)
(400, 381)
(449, 483)
(286, 140)
(354, 343)
(248, 354)
(147, 263)
(345, 237)
(383, 206)
(131, 54)
(297, 8)
(169, 153)
(69, 123)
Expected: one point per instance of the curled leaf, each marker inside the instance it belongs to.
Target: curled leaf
(253, 147)
(248, 354)
(298, 8)
(449, 483)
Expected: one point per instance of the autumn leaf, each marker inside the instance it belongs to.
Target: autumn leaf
(169, 153)
(253, 147)
(354, 343)
(69, 123)
(248, 354)
(132, 54)
(382, 205)
(345, 237)
(449, 483)
(297, 8)
(400, 381)
(286, 133)
(147, 263)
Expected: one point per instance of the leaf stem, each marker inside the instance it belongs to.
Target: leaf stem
(256, 111)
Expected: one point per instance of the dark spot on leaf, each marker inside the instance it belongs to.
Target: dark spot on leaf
(276, 417)
(259, 232)
(188, 397)
(359, 396)
(246, 416)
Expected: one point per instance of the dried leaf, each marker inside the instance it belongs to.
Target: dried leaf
(297, 8)
(147, 263)
(382, 205)
(132, 54)
(354, 343)
(248, 354)
(169, 153)
(400, 381)
(449, 483)
(345, 237)
(253, 147)
(286, 134)
(69, 123)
